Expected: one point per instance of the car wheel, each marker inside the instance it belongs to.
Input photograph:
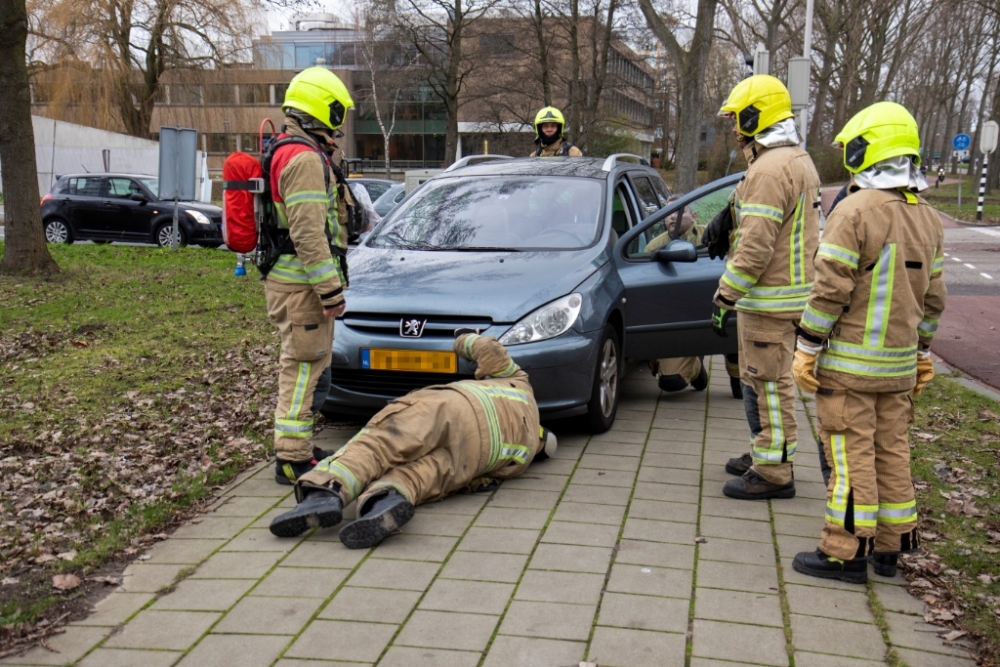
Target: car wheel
(603, 403)
(164, 233)
(57, 230)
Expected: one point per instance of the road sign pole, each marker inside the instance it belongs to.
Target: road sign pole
(982, 189)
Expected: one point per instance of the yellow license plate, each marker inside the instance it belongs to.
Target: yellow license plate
(427, 361)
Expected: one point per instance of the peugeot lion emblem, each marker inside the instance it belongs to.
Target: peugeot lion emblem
(411, 327)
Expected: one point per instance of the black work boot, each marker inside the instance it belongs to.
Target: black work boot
(380, 516)
(700, 383)
(287, 472)
(818, 564)
(739, 465)
(752, 486)
(318, 506)
(884, 564)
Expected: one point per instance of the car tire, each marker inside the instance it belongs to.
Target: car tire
(163, 233)
(58, 230)
(603, 405)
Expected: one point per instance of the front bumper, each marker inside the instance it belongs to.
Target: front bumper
(211, 233)
(561, 370)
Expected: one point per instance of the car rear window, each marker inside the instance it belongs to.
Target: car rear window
(498, 212)
(84, 186)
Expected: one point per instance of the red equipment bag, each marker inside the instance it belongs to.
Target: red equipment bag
(242, 176)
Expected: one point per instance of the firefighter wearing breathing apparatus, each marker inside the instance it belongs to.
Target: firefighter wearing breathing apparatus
(305, 287)
(549, 139)
(864, 344)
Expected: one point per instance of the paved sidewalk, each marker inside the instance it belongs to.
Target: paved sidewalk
(591, 556)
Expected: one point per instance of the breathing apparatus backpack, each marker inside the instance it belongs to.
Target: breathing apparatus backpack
(249, 216)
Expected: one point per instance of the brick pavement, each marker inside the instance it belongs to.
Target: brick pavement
(591, 556)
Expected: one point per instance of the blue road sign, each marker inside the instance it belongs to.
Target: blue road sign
(961, 142)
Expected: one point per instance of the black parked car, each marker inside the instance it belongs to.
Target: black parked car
(124, 207)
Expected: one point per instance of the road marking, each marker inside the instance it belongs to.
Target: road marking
(987, 276)
(970, 266)
(956, 259)
(947, 255)
(990, 232)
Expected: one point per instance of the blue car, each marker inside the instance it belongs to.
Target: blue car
(575, 264)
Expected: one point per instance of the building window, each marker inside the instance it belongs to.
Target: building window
(279, 93)
(220, 93)
(249, 143)
(185, 95)
(306, 55)
(221, 143)
(255, 93)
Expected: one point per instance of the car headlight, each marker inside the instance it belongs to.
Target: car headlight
(199, 217)
(549, 321)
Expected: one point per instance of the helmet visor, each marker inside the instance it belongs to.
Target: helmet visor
(854, 152)
(337, 114)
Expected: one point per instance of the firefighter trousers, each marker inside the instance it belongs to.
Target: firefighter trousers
(766, 348)
(424, 449)
(306, 346)
(870, 504)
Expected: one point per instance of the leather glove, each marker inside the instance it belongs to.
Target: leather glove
(716, 234)
(925, 371)
(804, 367)
(720, 317)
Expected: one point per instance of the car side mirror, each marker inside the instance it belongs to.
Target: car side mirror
(677, 251)
(139, 197)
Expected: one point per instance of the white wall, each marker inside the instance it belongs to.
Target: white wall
(63, 148)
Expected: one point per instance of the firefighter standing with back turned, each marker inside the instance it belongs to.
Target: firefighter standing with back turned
(305, 288)
(767, 278)
(549, 139)
(866, 333)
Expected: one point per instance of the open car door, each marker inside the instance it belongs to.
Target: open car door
(670, 280)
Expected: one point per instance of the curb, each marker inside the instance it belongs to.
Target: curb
(942, 368)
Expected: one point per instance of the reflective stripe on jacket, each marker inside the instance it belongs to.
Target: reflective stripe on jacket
(775, 209)
(879, 289)
(307, 206)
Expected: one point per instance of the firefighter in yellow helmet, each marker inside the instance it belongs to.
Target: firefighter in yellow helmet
(549, 139)
(767, 278)
(305, 287)
(866, 333)
(432, 442)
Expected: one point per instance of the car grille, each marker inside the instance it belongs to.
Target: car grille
(438, 326)
(388, 383)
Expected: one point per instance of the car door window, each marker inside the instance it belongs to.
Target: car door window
(121, 188)
(686, 223)
(85, 186)
(622, 211)
(662, 193)
(376, 190)
(647, 197)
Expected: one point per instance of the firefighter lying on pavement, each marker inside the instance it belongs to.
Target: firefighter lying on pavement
(420, 448)
(676, 373)
(866, 334)
(549, 139)
(768, 276)
(305, 288)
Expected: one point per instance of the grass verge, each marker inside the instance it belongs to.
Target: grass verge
(945, 199)
(955, 444)
(134, 384)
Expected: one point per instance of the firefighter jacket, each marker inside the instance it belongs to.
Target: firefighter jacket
(776, 216)
(556, 148)
(306, 204)
(879, 290)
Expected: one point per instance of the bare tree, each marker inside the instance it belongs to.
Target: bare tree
(389, 74)
(126, 46)
(24, 250)
(691, 66)
(437, 30)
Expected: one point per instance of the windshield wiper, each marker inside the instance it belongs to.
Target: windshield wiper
(480, 248)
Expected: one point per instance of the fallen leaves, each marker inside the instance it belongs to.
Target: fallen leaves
(65, 582)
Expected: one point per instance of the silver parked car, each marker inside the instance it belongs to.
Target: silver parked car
(573, 263)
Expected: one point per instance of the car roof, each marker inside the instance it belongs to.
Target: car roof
(106, 173)
(580, 167)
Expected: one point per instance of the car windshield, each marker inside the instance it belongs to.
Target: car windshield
(499, 212)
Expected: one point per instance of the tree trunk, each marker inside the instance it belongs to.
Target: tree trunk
(576, 67)
(25, 251)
